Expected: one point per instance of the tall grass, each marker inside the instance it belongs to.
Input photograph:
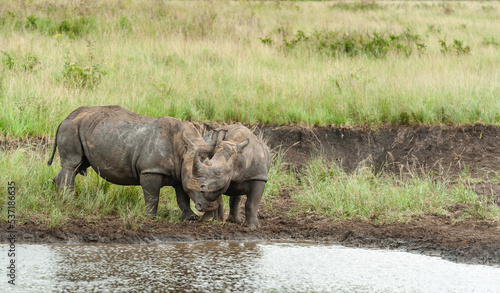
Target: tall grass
(318, 188)
(286, 63)
(387, 197)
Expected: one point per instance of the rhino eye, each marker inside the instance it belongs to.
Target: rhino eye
(218, 171)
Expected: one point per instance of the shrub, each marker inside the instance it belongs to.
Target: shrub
(490, 42)
(457, 47)
(355, 6)
(26, 62)
(72, 26)
(351, 44)
(84, 75)
(8, 60)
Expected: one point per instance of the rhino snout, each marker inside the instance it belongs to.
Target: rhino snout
(207, 206)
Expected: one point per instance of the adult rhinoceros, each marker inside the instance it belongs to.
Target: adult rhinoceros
(126, 148)
(239, 166)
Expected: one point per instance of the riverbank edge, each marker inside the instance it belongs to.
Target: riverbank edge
(385, 147)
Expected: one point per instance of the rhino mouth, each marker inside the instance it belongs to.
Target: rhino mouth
(207, 206)
(209, 193)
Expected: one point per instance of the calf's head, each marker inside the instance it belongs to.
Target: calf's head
(212, 176)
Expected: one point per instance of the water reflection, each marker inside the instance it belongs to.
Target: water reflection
(238, 267)
(188, 267)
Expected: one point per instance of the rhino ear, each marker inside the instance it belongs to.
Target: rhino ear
(242, 145)
(187, 141)
(221, 134)
(213, 139)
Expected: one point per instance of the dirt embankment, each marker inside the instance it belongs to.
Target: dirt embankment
(446, 150)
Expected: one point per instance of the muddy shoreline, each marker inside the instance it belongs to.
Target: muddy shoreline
(446, 150)
(436, 235)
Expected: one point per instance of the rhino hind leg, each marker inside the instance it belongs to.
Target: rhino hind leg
(65, 180)
(184, 204)
(72, 157)
(151, 185)
(234, 209)
(252, 204)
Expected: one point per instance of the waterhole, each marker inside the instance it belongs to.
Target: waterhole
(237, 267)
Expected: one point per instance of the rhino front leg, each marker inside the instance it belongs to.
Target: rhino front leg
(234, 209)
(183, 202)
(252, 205)
(151, 185)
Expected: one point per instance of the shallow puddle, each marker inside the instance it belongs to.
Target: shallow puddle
(237, 267)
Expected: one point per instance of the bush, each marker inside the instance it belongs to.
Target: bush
(84, 74)
(73, 27)
(355, 6)
(351, 44)
(16, 61)
(457, 48)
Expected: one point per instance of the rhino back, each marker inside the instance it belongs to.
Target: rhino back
(255, 160)
(120, 145)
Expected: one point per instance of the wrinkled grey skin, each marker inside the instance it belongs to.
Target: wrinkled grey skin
(239, 166)
(126, 148)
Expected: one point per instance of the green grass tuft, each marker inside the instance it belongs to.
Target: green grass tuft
(385, 197)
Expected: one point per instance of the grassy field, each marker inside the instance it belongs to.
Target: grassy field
(319, 188)
(307, 63)
(303, 63)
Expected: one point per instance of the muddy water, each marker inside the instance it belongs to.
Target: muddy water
(237, 267)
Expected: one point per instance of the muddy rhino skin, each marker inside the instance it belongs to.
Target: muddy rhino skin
(239, 166)
(126, 148)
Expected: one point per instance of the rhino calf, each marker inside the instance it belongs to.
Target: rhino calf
(239, 166)
(126, 148)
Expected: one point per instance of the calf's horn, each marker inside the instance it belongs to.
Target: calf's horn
(220, 136)
(197, 164)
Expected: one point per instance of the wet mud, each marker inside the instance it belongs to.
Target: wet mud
(446, 150)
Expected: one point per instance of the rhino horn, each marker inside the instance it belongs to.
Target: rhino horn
(197, 164)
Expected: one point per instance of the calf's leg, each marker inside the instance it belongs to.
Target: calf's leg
(234, 210)
(252, 205)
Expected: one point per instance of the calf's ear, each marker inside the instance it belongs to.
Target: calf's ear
(221, 134)
(241, 146)
(213, 139)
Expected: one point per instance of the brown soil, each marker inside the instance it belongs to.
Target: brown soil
(444, 149)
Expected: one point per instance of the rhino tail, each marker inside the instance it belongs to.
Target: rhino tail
(55, 146)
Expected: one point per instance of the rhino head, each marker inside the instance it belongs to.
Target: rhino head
(194, 177)
(212, 176)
